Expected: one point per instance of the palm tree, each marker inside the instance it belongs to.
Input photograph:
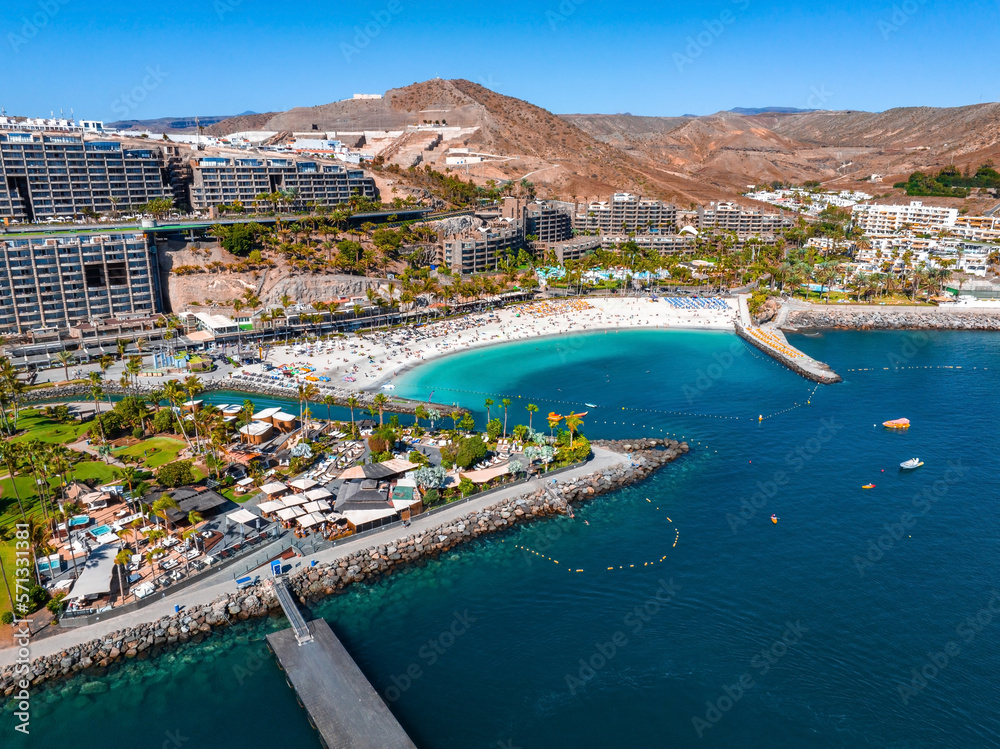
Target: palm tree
(328, 401)
(419, 413)
(532, 410)
(353, 403)
(164, 503)
(489, 402)
(553, 420)
(192, 385)
(505, 402)
(572, 422)
(122, 559)
(380, 400)
(130, 475)
(65, 358)
(194, 517)
(306, 392)
(10, 454)
(173, 392)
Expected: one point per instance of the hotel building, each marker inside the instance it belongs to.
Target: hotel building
(49, 175)
(217, 180)
(50, 284)
(625, 213)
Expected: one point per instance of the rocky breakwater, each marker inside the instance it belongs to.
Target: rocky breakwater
(327, 578)
(892, 318)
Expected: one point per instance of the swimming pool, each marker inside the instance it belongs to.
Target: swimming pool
(101, 530)
(78, 520)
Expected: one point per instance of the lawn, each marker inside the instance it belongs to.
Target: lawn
(94, 470)
(154, 451)
(39, 427)
(8, 556)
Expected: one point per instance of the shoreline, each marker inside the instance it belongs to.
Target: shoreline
(412, 365)
(608, 470)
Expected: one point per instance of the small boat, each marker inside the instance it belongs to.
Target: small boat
(897, 424)
(774, 519)
(911, 463)
(868, 486)
(590, 405)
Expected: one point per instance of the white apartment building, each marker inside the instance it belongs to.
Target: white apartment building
(738, 219)
(624, 212)
(875, 219)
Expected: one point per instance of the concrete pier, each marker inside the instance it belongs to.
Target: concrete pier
(769, 339)
(342, 705)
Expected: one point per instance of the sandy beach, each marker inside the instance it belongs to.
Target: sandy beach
(368, 362)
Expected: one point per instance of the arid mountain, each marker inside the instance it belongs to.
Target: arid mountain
(730, 149)
(686, 159)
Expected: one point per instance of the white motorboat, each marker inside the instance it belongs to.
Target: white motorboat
(911, 463)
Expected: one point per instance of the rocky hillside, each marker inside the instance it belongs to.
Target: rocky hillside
(687, 159)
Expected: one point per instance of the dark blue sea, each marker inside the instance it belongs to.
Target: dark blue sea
(862, 618)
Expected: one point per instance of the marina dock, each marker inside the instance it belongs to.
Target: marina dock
(342, 705)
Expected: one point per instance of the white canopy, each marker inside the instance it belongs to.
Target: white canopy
(243, 517)
(317, 506)
(302, 484)
(271, 506)
(290, 513)
(295, 499)
(308, 521)
(275, 487)
(321, 493)
(95, 580)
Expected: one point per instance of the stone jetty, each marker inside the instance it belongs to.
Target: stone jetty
(325, 579)
(893, 318)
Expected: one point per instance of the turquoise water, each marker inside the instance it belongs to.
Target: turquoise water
(799, 634)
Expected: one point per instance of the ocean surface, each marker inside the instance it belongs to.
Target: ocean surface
(860, 619)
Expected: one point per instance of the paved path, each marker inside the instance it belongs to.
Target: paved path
(602, 460)
(208, 590)
(199, 593)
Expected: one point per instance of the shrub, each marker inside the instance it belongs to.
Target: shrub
(430, 497)
(56, 603)
(466, 487)
(6, 618)
(137, 433)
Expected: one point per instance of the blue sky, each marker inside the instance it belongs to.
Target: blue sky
(109, 61)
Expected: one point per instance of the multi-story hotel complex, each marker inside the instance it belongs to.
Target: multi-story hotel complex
(625, 213)
(876, 219)
(47, 174)
(56, 283)
(218, 180)
(741, 220)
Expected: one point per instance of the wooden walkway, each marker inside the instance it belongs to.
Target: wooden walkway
(342, 704)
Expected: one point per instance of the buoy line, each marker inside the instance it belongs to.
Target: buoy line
(677, 536)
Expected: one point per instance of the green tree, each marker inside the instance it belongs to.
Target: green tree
(175, 474)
